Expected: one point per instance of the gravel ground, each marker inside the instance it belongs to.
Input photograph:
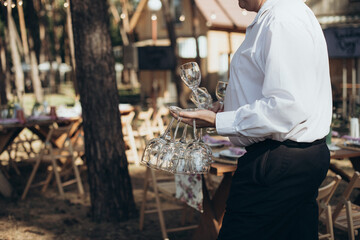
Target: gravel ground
(44, 216)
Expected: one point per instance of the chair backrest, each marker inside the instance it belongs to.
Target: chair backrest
(354, 183)
(128, 118)
(158, 123)
(57, 131)
(326, 192)
(145, 115)
(144, 122)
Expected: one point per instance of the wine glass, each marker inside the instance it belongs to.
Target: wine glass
(165, 157)
(190, 74)
(179, 163)
(220, 91)
(154, 146)
(204, 99)
(220, 95)
(198, 155)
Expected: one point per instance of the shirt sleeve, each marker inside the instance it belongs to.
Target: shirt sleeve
(284, 57)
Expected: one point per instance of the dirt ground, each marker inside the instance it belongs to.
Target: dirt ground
(44, 216)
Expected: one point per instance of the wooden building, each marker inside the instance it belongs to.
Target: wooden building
(340, 21)
(218, 26)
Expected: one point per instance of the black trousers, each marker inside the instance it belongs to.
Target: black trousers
(273, 192)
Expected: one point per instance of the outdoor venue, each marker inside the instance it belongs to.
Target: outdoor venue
(91, 140)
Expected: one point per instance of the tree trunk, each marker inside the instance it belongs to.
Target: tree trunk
(35, 77)
(23, 32)
(19, 74)
(72, 47)
(109, 180)
(182, 100)
(6, 66)
(3, 97)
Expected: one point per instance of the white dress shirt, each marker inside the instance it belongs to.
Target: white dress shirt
(279, 85)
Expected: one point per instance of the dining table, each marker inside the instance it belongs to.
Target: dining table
(39, 126)
(214, 206)
(11, 128)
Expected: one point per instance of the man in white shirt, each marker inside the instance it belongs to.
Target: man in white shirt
(278, 105)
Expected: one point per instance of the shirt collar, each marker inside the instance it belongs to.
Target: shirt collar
(266, 6)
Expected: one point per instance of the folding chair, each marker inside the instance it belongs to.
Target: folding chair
(142, 126)
(346, 215)
(324, 196)
(48, 153)
(165, 186)
(158, 124)
(131, 153)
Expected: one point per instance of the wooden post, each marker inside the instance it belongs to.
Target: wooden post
(23, 32)
(195, 27)
(344, 90)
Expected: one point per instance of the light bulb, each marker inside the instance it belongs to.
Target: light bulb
(154, 5)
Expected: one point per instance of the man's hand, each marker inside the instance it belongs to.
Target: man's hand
(204, 118)
(217, 107)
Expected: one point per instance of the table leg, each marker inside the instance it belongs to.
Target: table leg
(356, 165)
(214, 209)
(340, 172)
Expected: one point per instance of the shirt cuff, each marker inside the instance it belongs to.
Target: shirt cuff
(224, 123)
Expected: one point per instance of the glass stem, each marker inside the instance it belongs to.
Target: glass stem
(183, 137)
(168, 128)
(177, 127)
(194, 128)
(196, 95)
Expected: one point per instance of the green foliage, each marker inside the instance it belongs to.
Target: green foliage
(129, 95)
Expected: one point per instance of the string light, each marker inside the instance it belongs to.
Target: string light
(153, 17)
(13, 4)
(122, 16)
(66, 4)
(182, 18)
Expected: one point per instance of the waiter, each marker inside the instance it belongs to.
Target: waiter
(278, 105)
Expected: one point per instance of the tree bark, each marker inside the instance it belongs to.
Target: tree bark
(19, 74)
(72, 47)
(109, 180)
(3, 95)
(182, 102)
(35, 77)
(23, 32)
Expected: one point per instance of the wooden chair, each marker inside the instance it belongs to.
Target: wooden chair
(158, 123)
(346, 215)
(165, 186)
(324, 196)
(131, 153)
(48, 153)
(142, 126)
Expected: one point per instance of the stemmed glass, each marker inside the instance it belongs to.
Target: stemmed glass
(203, 100)
(165, 158)
(179, 163)
(154, 146)
(220, 95)
(191, 76)
(198, 155)
(220, 91)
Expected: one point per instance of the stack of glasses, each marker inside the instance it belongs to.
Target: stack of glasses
(182, 156)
